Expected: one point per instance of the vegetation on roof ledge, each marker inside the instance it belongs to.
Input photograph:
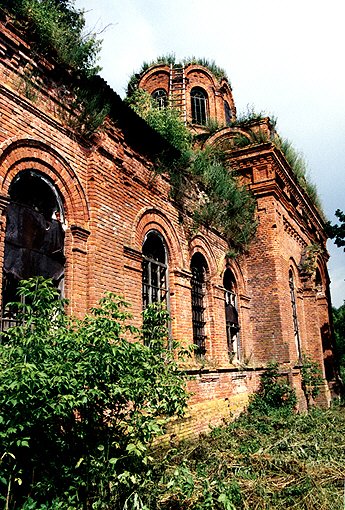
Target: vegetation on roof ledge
(56, 29)
(170, 59)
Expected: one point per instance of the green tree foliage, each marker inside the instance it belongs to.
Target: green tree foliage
(337, 232)
(219, 200)
(80, 404)
(57, 29)
(339, 332)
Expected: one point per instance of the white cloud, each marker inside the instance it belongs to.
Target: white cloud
(285, 57)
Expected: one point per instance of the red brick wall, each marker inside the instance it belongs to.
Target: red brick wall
(112, 198)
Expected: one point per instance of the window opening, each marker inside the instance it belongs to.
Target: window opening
(199, 106)
(34, 239)
(294, 315)
(228, 114)
(161, 98)
(231, 316)
(154, 276)
(198, 282)
(318, 280)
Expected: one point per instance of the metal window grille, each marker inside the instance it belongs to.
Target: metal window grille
(232, 325)
(155, 288)
(154, 275)
(198, 308)
(294, 315)
(199, 106)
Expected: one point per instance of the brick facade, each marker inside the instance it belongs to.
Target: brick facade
(112, 200)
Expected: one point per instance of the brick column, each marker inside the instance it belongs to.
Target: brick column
(77, 276)
(4, 201)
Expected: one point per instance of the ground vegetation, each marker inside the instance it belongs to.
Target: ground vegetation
(80, 404)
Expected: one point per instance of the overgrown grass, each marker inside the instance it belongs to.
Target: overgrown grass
(294, 158)
(219, 200)
(56, 29)
(273, 461)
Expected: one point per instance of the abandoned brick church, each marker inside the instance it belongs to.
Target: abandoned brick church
(88, 213)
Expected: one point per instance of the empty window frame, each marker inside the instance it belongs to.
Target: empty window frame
(161, 98)
(199, 106)
(34, 239)
(231, 316)
(155, 270)
(198, 282)
(318, 280)
(228, 114)
(294, 315)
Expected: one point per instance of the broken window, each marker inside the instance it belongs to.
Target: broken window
(161, 98)
(34, 240)
(199, 270)
(199, 106)
(231, 316)
(228, 114)
(294, 315)
(154, 276)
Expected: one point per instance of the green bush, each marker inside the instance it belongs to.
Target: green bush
(57, 29)
(312, 379)
(80, 405)
(273, 394)
(219, 199)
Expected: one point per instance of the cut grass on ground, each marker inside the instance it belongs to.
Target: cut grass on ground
(278, 461)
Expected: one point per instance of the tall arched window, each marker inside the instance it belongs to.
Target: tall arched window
(154, 276)
(199, 270)
(161, 98)
(34, 240)
(199, 106)
(318, 280)
(228, 113)
(294, 315)
(231, 315)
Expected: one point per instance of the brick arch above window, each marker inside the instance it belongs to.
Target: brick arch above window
(199, 244)
(29, 154)
(236, 270)
(152, 219)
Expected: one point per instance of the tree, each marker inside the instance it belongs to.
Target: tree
(79, 404)
(339, 333)
(337, 232)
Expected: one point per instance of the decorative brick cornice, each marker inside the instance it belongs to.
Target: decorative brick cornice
(293, 232)
(80, 236)
(132, 254)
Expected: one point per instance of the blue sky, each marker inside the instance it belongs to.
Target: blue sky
(283, 58)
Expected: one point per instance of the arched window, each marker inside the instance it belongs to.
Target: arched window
(199, 106)
(161, 98)
(228, 113)
(154, 276)
(199, 270)
(318, 280)
(294, 315)
(34, 240)
(231, 315)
